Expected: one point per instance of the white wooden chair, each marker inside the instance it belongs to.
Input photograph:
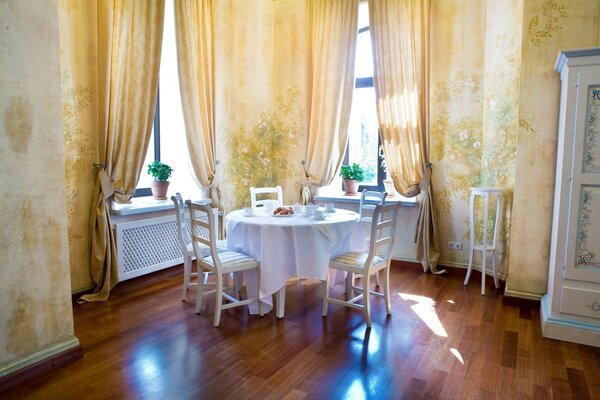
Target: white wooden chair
(202, 222)
(265, 190)
(369, 199)
(185, 242)
(383, 230)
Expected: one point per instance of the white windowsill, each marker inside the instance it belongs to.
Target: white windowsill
(341, 197)
(140, 205)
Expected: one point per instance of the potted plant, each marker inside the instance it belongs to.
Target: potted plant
(161, 173)
(352, 175)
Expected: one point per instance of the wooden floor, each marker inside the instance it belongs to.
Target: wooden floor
(442, 341)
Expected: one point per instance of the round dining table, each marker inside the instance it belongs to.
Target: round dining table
(291, 246)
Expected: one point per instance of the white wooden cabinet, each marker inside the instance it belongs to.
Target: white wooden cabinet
(571, 308)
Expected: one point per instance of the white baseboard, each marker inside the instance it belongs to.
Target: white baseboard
(567, 330)
(522, 295)
(40, 355)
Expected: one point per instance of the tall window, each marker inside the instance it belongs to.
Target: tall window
(168, 143)
(363, 132)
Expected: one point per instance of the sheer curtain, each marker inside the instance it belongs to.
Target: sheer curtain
(332, 30)
(400, 38)
(195, 31)
(129, 43)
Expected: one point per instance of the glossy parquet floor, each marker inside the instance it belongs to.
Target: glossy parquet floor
(442, 341)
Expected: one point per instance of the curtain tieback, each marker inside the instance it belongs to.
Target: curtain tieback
(105, 184)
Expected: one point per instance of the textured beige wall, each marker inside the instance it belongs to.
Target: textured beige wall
(548, 27)
(36, 318)
(260, 96)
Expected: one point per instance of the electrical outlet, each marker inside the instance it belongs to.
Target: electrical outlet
(455, 245)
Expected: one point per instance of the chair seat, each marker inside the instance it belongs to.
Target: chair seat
(354, 262)
(232, 261)
(489, 247)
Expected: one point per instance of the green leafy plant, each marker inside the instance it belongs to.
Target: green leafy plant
(353, 171)
(159, 171)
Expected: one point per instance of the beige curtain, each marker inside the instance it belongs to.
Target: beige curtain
(79, 80)
(195, 31)
(332, 33)
(400, 38)
(129, 43)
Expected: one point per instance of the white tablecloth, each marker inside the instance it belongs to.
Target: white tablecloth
(291, 246)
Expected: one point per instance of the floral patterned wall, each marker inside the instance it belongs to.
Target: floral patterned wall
(259, 156)
(260, 97)
(548, 27)
(492, 125)
(457, 115)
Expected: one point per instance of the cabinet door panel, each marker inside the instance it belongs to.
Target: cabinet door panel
(583, 244)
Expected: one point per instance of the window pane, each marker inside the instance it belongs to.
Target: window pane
(145, 179)
(364, 56)
(173, 143)
(363, 15)
(363, 134)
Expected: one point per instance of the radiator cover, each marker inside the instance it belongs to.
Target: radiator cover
(147, 245)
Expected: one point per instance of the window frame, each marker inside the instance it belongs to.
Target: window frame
(146, 191)
(361, 83)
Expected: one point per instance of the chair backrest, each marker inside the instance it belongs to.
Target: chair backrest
(183, 230)
(183, 234)
(265, 190)
(369, 199)
(383, 232)
(202, 227)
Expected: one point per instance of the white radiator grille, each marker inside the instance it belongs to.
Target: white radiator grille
(148, 245)
(140, 247)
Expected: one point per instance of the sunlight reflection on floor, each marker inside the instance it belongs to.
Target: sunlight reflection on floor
(456, 354)
(147, 370)
(425, 309)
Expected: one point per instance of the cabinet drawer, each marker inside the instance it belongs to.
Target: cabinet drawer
(580, 302)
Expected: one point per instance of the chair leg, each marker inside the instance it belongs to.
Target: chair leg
(470, 266)
(349, 284)
(218, 299)
(187, 271)
(483, 268)
(377, 279)
(386, 288)
(326, 291)
(200, 292)
(260, 311)
(238, 282)
(366, 298)
(494, 268)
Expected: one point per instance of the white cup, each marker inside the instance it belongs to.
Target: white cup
(318, 214)
(248, 211)
(269, 206)
(329, 207)
(297, 208)
(309, 210)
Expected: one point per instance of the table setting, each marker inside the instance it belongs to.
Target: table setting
(297, 241)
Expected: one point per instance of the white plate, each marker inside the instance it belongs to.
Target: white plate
(284, 215)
